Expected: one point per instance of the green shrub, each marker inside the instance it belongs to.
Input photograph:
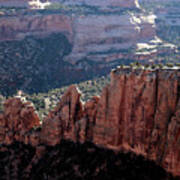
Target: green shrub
(169, 65)
(177, 64)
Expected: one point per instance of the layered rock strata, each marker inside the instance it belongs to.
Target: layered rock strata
(110, 31)
(137, 112)
(95, 37)
(100, 30)
(18, 27)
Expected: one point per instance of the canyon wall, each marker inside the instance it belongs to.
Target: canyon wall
(17, 28)
(38, 3)
(100, 30)
(137, 112)
(93, 37)
(96, 33)
(44, 47)
(97, 37)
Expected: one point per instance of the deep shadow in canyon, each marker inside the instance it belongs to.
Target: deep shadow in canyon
(75, 161)
(36, 64)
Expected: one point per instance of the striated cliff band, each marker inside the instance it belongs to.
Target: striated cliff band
(139, 112)
(81, 39)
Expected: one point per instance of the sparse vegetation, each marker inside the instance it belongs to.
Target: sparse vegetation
(31, 63)
(170, 65)
(177, 64)
(44, 102)
(2, 99)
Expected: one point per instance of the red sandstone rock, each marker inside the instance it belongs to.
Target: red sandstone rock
(135, 113)
(60, 123)
(171, 156)
(34, 139)
(87, 122)
(18, 118)
(19, 115)
(138, 111)
(166, 101)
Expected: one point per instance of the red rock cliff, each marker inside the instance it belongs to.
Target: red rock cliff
(139, 111)
(17, 121)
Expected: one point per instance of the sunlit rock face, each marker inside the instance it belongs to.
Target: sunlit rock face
(97, 36)
(42, 46)
(17, 28)
(145, 113)
(18, 119)
(167, 18)
(109, 33)
(61, 122)
(127, 27)
(106, 38)
(137, 112)
(113, 30)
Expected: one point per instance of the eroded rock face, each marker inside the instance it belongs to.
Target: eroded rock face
(140, 110)
(171, 153)
(18, 27)
(61, 123)
(17, 121)
(137, 112)
(110, 31)
(97, 35)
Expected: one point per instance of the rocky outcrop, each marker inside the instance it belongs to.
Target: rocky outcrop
(62, 121)
(17, 121)
(137, 112)
(140, 108)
